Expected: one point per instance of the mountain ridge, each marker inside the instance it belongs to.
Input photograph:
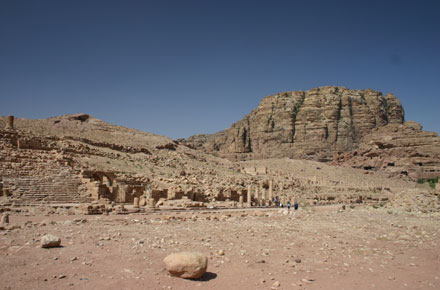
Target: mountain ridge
(311, 124)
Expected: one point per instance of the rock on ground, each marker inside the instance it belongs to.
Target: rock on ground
(191, 265)
(50, 241)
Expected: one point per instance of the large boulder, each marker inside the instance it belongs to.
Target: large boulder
(190, 265)
(50, 241)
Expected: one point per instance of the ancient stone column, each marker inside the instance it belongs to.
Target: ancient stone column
(106, 181)
(151, 203)
(136, 202)
(148, 191)
(122, 191)
(192, 196)
(263, 196)
(256, 196)
(5, 219)
(240, 200)
(249, 195)
(270, 192)
(142, 201)
(9, 123)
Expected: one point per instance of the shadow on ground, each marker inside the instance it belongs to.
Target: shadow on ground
(208, 276)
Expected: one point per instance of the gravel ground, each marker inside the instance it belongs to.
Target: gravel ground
(314, 248)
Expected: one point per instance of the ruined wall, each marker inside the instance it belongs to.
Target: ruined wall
(33, 175)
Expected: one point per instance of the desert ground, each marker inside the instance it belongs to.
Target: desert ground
(373, 223)
(322, 247)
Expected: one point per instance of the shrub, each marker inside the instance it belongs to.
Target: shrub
(431, 181)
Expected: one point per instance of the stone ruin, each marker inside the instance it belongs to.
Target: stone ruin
(255, 170)
(37, 170)
(9, 125)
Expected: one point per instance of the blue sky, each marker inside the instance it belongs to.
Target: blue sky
(179, 68)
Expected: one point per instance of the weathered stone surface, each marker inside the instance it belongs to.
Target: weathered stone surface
(9, 123)
(403, 150)
(189, 265)
(50, 241)
(4, 219)
(80, 159)
(313, 124)
(4, 222)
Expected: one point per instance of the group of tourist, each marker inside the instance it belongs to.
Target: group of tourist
(279, 203)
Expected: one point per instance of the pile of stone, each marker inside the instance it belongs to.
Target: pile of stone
(93, 209)
(416, 200)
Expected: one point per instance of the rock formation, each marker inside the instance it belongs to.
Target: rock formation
(312, 124)
(403, 150)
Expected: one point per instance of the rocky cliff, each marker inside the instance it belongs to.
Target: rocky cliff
(403, 150)
(312, 124)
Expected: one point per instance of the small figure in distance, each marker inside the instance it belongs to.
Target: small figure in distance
(275, 200)
(295, 206)
(288, 206)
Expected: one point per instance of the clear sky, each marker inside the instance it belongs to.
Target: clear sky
(183, 67)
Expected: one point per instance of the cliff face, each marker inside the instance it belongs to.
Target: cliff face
(403, 150)
(312, 124)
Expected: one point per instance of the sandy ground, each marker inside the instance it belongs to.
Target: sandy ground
(318, 248)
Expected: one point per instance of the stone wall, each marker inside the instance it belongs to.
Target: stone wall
(32, 176)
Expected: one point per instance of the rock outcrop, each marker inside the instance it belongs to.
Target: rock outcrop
(312, 124)
(403, 150)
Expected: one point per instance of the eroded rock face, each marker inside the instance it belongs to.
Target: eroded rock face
(310, 125)
(190, 265)
(398, 150)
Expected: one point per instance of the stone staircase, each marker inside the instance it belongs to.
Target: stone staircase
(57, 188)
(34, 177)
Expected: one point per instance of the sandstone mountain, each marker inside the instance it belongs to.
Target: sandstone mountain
(312, 124)
(403, 150)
